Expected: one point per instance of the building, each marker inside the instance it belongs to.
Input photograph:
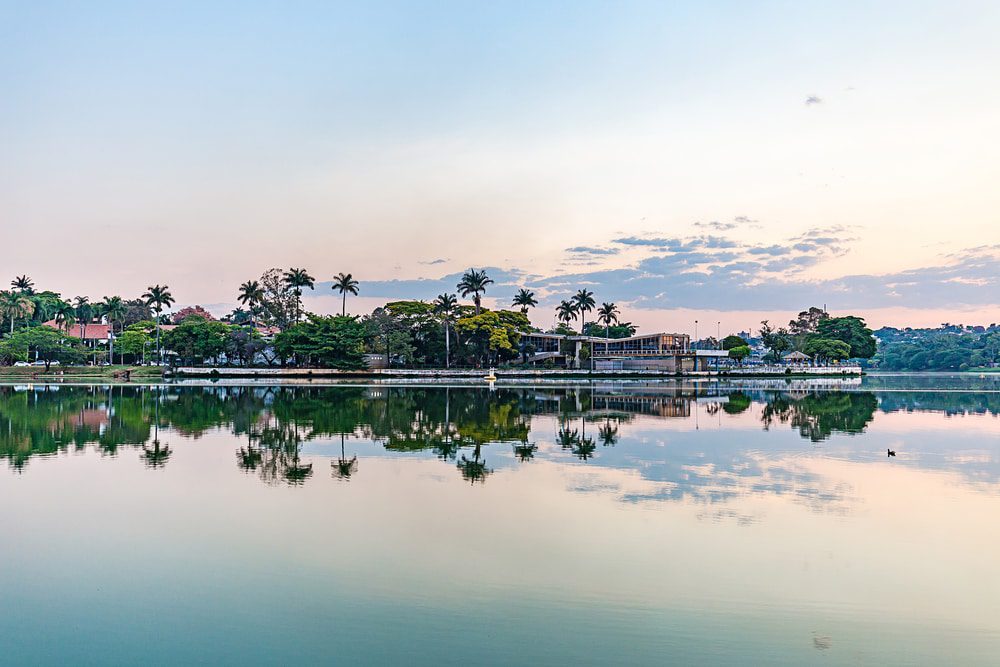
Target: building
(667, 352)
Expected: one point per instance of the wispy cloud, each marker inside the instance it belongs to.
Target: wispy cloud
(813, 99)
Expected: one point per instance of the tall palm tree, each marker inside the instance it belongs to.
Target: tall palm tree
(295, 280)
(607, 313)
(445, 305)
(251, 296)
(584, 302)
(114, 309)
(23, 284)
(15, 306)
(84, 313)
(525, 299)
(344, 283)
(566, 312)
(474, 282)
(158, 297)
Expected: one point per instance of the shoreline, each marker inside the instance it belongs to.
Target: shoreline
(480, 374)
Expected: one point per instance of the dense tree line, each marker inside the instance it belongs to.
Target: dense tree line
(946, 348)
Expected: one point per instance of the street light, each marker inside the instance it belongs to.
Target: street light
(695, 333)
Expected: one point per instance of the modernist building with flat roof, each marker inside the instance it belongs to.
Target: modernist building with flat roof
(669, 352)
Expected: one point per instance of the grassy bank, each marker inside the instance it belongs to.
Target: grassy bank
(61, 372)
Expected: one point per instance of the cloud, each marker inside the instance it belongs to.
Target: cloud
(586, 250)
(812, 99)
(432, 262)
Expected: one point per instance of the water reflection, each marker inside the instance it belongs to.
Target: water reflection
(462, 425)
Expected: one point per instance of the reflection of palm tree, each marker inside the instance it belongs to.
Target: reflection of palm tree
(474, 469)
(567, 439)
(343, 467)
(584, 448)
(157, 456)
(608, 433)
(525, 452)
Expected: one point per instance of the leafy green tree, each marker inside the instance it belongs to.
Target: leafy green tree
(619, 330)
(525, 299)
(493, 335)
(135, 338)
(157, 298)
(778, 341)
(739, 353)
(850, 330)
(474, 282)
(15, 306)
(345, 284)
(47, 344)
(327, 342)
(827, 348)
(729, 342)
(278, 303)
(197, 339)
(583, 301)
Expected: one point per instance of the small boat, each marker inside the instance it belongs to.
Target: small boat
(491, 376)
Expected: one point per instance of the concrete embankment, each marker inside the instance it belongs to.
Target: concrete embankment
(478, 374)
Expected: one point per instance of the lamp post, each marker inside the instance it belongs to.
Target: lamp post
(695, 333)
(718, 334)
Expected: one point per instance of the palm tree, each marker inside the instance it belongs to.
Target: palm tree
(251, 296)
(295, 280)
(445, 305)
(584, 302)
(607, 313)
(344, 283)
(525, 299)
(474, 282)
(65, 316)
(158, 297)
(84, 313)
(23, 284)
(114, 309)
(566, 312)
(15, 306)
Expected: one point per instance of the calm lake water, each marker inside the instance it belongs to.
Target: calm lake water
(756, 522)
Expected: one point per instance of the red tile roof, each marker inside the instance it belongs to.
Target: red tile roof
(94, 331)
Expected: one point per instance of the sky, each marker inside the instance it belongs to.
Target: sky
(721, 162)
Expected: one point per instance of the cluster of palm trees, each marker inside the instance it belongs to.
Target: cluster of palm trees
(252, 294)
(582, 303)
(19, 303)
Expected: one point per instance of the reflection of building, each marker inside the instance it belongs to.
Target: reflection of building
(667, 352)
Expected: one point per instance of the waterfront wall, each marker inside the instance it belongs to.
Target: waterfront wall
(330, 373)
